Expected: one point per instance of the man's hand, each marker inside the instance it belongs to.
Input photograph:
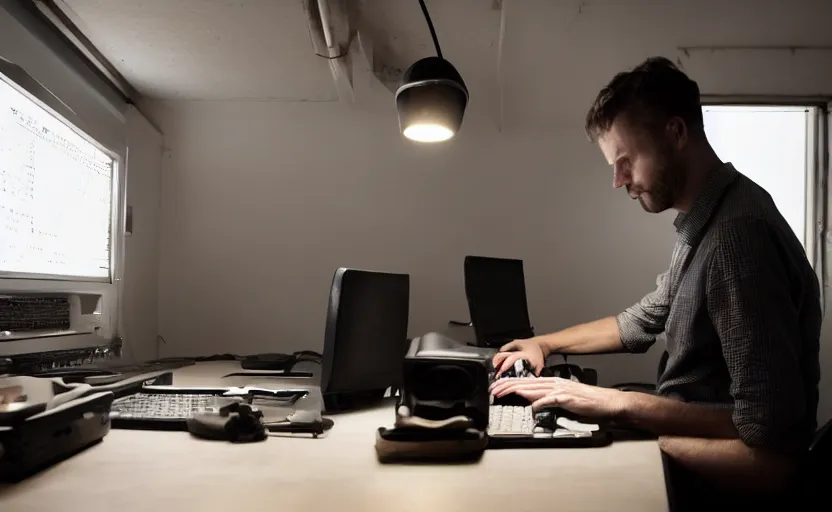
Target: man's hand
(531, 350)
(581, 399)
(600, 336)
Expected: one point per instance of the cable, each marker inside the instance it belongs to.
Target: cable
(430, 26)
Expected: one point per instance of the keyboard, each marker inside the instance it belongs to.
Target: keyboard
(510, 420)
(521, 421)
(170, 408)
(153, 406)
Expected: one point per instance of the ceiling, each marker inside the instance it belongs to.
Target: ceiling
(532, 59)
(208, 49)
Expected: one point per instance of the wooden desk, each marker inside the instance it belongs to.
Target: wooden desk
(150, 471)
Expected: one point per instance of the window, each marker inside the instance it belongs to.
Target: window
(784, 149)
(56, 195)
(772, 146)
(61, 234)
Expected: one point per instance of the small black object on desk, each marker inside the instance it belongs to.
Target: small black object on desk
(302, 422)
(236, 422)
(280, 364)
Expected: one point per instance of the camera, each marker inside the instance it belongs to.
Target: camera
(444, 378)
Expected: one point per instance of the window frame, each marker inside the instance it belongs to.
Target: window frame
(109, 290)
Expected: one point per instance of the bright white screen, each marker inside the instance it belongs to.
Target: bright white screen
(55, 194)
(767, 144)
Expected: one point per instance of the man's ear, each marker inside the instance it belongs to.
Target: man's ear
(677, 130)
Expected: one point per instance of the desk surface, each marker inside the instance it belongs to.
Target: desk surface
(143, 470)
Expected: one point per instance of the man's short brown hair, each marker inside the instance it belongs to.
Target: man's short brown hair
(650, 93)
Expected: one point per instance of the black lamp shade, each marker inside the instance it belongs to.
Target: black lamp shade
(431, 100)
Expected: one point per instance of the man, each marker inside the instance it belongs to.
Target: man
(738, 308)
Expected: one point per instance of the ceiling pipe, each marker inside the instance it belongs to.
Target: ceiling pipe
(323, 8)
(332, 26)
(332, 32)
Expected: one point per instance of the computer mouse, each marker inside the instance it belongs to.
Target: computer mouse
(547, 417)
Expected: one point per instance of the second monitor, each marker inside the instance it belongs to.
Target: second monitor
(496, 292)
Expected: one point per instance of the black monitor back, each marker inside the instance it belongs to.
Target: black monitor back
(496, 293)
(366, 336)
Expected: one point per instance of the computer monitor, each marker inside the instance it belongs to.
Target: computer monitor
(366, 337)
(496, 292)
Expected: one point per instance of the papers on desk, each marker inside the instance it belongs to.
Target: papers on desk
(543, 433)
(576, 426)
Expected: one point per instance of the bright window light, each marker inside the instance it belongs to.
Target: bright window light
(769, 145)
(55, 195)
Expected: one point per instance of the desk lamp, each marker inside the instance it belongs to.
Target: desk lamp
(432, 97)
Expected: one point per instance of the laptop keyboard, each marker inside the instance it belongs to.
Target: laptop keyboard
(165, 406)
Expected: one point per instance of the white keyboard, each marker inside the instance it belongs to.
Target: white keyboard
(510, 420)
(519, 421)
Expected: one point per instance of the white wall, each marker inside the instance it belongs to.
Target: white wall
(141, 260)
(261, 201)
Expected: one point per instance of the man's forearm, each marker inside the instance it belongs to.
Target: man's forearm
(588, 338)
(666, 416)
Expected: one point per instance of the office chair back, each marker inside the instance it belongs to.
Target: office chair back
(365, 340)
(496, 292)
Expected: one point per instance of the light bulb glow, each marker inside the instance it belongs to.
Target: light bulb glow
(428, 132)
